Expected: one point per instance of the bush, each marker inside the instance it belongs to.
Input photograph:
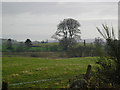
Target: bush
(81, 51)
(109, 64)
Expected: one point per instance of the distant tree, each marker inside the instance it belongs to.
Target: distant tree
(28, 43)
(46, 41)
(67, 33)
(20, 47)
(99, 43)
(42, 41)
(9, 44)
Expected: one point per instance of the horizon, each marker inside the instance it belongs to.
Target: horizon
(49, 41)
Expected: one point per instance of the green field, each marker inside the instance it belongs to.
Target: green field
(43, 72)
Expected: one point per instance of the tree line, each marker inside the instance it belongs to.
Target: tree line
(68, 34)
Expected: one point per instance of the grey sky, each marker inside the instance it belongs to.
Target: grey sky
(60, 0)
(39, 20)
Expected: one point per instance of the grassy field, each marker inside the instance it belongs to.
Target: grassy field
(43, 72)
(35, 54)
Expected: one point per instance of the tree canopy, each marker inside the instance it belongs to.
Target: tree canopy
(68, 32)
(68, 28)
(28, 43)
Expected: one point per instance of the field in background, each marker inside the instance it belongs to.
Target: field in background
(35, 54)
(48, 72)
(41, 47)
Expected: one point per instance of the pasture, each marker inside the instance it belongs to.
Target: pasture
(43, 72)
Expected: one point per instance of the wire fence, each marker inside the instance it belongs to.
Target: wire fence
(38, 81)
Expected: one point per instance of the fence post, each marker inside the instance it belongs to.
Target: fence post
(82, 83)
(4, 85)
(87, 75)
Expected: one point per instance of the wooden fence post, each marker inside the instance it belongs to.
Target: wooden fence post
(82, 83)
(87, 75)
(4, 85)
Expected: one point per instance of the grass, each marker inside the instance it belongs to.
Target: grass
(48, 44)
(35, 54)
(27, 69)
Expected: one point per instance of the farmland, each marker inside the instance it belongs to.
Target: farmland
(43, 72)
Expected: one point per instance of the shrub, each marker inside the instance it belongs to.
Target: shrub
(109, 65)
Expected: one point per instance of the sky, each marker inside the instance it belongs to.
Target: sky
(39, 20)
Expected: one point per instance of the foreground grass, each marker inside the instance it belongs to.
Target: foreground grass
(27, 69)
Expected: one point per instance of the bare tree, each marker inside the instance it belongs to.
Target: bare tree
(107, 33)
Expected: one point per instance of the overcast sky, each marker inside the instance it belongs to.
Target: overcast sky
(39, 20)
